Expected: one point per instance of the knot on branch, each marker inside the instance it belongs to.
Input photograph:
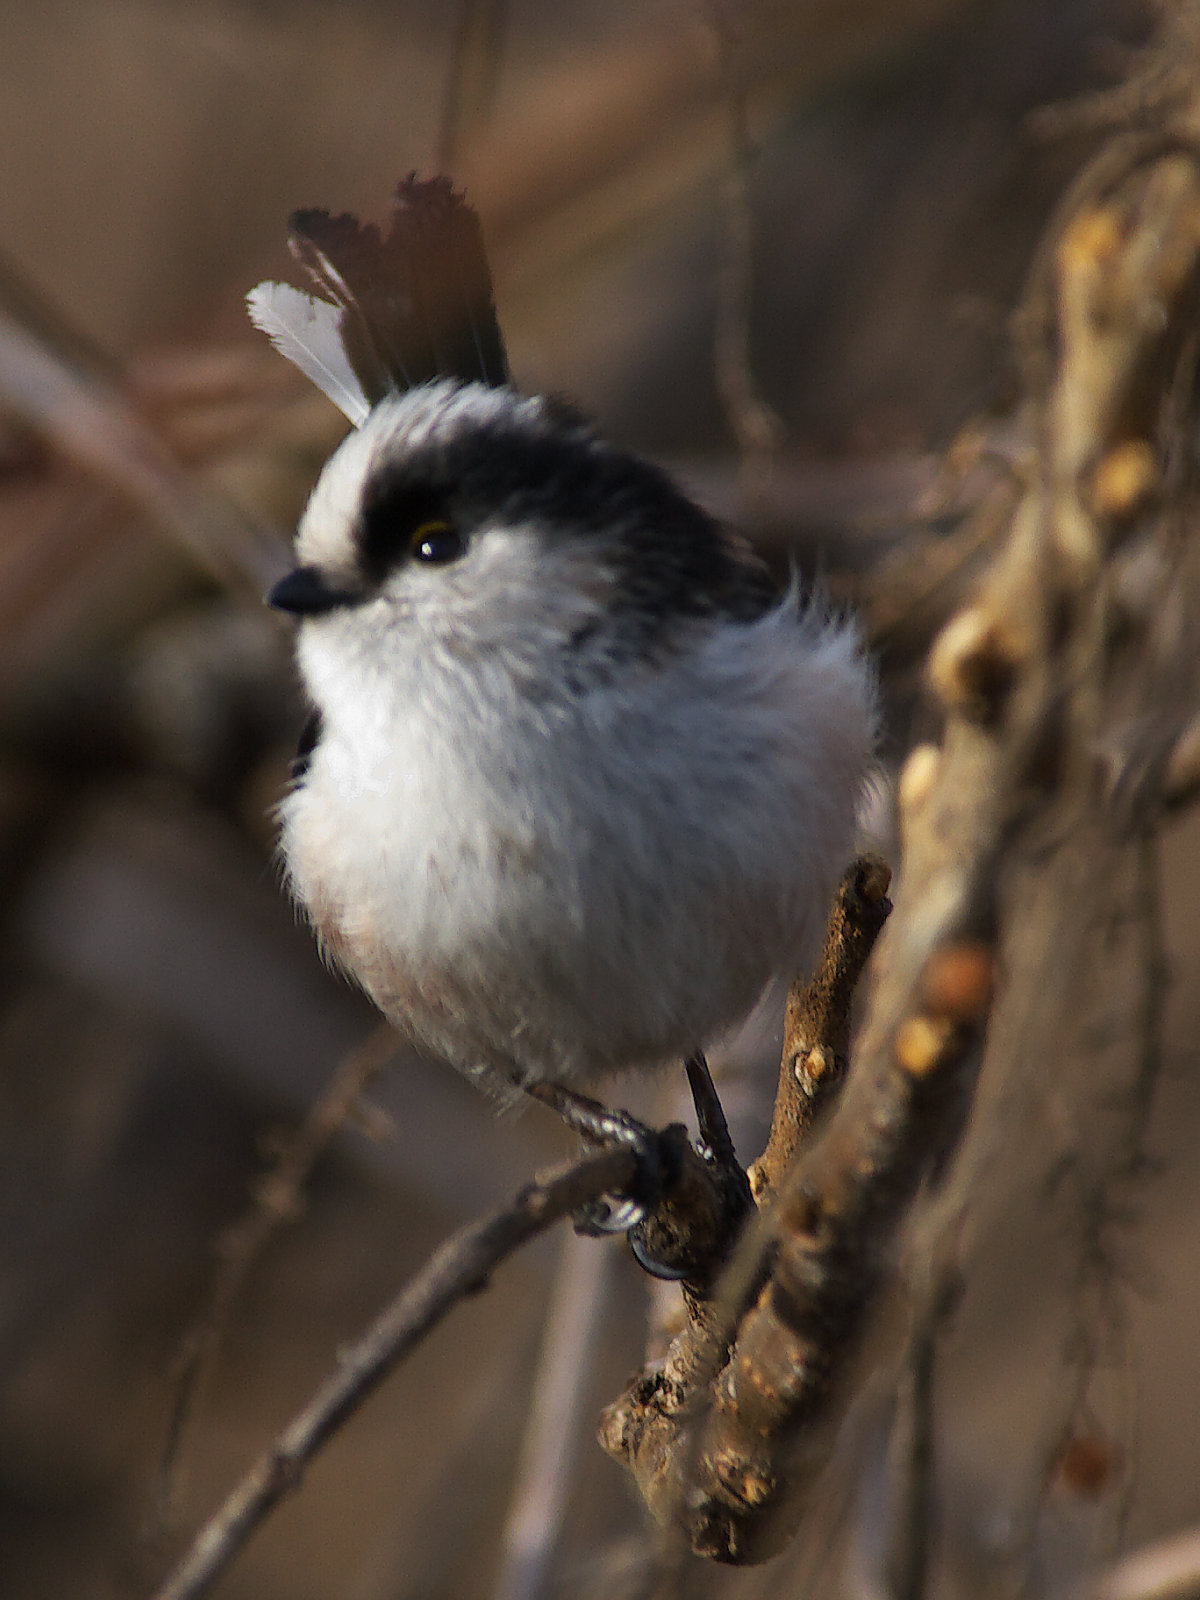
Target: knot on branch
(975, 662)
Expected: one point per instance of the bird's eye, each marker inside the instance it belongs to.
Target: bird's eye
(435, 543)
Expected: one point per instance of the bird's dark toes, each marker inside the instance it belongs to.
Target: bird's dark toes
(684, 1206)
(656, 1162)
(610, 1213)
(656, 1153)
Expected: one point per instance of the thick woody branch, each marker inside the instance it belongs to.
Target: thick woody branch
(726, 1462)
(724, 1450)
(816, 1037)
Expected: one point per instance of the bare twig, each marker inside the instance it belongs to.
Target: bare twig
(649, 1427)
(703, 1195)
(831, 1224)
(815, 1026)
(755, 425)
(816, 1042)
(460, 1267)
(278, 1200)
(471, 76)
(908, 1557)
(911, 1532)
(70, 398)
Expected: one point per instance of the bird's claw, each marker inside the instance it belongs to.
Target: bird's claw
(657, 1156)
(683, 1205)
(609, 1213)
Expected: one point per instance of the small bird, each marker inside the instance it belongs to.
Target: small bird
(579, 781)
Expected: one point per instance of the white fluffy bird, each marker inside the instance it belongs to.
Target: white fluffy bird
(580, 783)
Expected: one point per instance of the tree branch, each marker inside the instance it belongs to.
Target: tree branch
(461, 1267)
(1025, 674)
(722, 1458)
(278, 1199)
(816, 1029)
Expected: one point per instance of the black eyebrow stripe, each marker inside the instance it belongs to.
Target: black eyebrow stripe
(668, 557)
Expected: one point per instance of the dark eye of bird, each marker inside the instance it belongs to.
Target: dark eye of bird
(435, 543)
(406, 519)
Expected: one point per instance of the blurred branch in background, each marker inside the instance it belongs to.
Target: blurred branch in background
(1168, 1570)
(80, 406)
(472, 81)
(755, 426)
(558, 1425)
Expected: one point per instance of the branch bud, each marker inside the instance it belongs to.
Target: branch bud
(973, 664)
(1124, 480)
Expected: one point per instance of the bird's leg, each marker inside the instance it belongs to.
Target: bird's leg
(715, 1143)
(687, 1204)
(716, 1146)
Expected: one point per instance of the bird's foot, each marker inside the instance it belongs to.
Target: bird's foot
(686, 1203)
(603, 1128)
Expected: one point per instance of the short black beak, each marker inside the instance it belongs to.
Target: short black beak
(306, 593)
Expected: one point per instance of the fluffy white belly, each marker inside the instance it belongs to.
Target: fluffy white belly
(602, 881)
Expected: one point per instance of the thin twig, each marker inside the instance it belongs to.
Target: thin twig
(908, 1564)
(278, 1200)
(460, 1267)
(471, 75)
(816, 1038)
(785, 1375)
(911, 1532)
(755, 425)
(78, 403)
(650, 1427)
(714, 1302)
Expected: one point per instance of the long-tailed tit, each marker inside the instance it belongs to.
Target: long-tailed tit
(580, 782)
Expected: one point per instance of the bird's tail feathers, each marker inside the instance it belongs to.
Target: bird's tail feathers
(393, 310)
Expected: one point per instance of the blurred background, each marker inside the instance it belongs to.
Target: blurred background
(732, 232)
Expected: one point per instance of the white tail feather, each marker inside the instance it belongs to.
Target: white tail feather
(307, 331)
